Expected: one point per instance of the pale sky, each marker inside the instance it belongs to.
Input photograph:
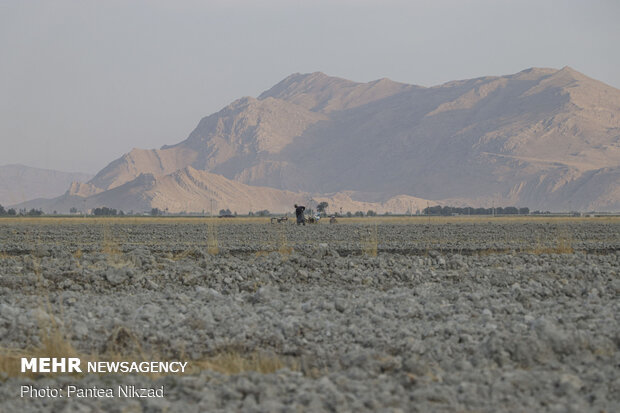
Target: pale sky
(84, 81)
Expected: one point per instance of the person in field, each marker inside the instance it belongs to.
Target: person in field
(299, 213)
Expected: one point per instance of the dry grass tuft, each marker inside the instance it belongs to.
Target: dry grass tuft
(562, 243)
(369, 241)
(212, 245)
(562, 247)
(112, 249)
(235, 363)
(123, 341)
(109, 245)
(283, 248)
(189, 252)
(78, 254)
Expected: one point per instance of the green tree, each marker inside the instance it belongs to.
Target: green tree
(104, 211)
(322, 207)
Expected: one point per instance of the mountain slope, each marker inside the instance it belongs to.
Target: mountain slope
(475, 139)
(544, 138)
(191, 190)
(19, 183)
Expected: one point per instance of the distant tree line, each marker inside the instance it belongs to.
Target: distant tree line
(4, 212)
(369, 213)
(450, 210)
(24, 212)
(105, 211)
(32, 213)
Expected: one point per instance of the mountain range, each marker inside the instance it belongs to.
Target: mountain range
(542, 138)
(19, 183)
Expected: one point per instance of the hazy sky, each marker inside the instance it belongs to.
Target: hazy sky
(82, 82)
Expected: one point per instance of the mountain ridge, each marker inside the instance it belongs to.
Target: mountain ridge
(19, 182)
(541, 137)
(192, 190)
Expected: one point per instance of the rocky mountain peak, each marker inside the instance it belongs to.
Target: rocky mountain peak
(540, 138)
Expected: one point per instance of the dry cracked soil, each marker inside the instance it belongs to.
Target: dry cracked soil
(483, 315)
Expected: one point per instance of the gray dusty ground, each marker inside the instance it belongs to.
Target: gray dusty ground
(492, 316)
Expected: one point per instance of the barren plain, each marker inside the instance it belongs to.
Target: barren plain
(454, 314)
